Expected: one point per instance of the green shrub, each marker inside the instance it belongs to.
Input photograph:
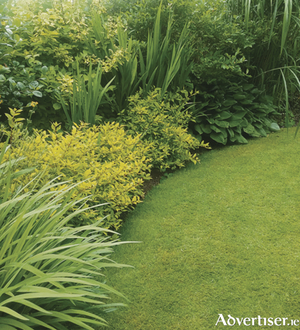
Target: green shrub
(229, 108)
(49, 38)
(20, 83)
(111, 164)
(56, 34)
(163, 123)
(46, 40)
(50, 273)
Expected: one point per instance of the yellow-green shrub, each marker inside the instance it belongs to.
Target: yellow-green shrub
(111, 164)
(163, 124)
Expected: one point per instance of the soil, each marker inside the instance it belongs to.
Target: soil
(156, 175)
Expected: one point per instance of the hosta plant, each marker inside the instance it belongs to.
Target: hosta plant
(50, 273)
(232, 113)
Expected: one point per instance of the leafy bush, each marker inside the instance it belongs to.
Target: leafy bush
(50, 273)
(162, 122)
(46, 39)
(215, 34)
(229, 107)
(56, 34)
(232, 112)
(19, 82)
(140, 15)
(110, 166)
(51, 37)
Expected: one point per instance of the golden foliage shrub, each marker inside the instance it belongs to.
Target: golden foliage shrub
(109, 165)
(163, 124)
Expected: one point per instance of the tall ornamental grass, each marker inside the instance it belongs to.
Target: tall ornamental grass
(160, 62)
(50, 274)
(275, 56)
(166, 64)
(86, 98)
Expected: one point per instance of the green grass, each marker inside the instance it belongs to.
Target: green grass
(219, 237)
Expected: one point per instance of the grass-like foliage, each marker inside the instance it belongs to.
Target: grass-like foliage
(86, 98)
(166, 64)
(160, 62)
(50, 273)
(274, 57)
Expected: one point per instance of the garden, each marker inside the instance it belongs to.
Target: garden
(100, 100)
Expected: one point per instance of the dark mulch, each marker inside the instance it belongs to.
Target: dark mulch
(156, 176)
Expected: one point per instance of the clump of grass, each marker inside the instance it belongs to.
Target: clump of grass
(218, 237)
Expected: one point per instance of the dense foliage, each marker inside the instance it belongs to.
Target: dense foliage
(50, 273)
(163, 126)
(233, 112)
(108, 165)
(98, 93)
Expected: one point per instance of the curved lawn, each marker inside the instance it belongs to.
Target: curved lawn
(222, 237)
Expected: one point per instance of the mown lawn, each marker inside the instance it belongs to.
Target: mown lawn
(222, 237)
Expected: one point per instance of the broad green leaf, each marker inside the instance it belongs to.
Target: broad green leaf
(244, 123)
(218, 137)
(241, 139)
(215, 128)
(231, 132)
(238, 108)
(4, 69)
(239, 97)
(222, 123)
(206, 128)
(37, 93)
(17, 37)
(198, 129)
(225, 115)
(20, 85)
(250, 130)
(44, 69)
(247, 101)
(262, 132)
(33, 85)
(234, 123)
(229, 103)
(238, 115)
(57, 106)
(247, 87)
(274, 127)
